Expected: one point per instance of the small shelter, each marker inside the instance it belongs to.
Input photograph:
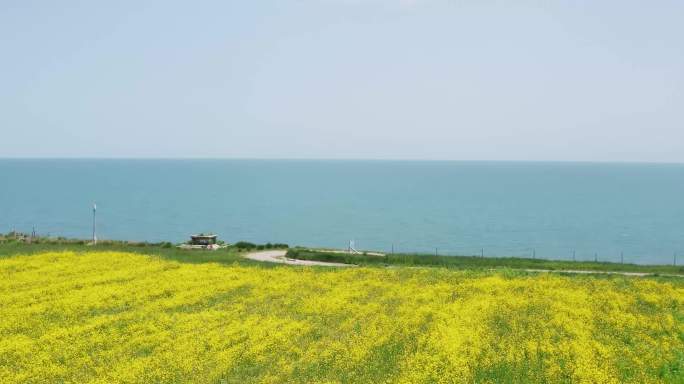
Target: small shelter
(202, 239)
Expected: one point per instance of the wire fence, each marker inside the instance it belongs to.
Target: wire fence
(579, 254)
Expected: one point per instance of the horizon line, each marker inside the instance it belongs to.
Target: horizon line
(189, 158)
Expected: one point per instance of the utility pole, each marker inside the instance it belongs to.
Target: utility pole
(482, 253)
(94, 224)
(574, 253)
(622, 257)
(596, 257)
(674, 262)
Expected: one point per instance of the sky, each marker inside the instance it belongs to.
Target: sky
(359, 79)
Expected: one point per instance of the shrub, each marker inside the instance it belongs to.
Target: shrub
(244, 245)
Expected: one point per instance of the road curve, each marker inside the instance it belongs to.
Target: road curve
(278, 256)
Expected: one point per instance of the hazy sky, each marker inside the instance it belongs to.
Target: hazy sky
(477, 80)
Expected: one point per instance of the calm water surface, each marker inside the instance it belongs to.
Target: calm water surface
(509, 209)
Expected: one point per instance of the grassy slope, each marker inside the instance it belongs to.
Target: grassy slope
(222, 256)
(231, 255)
(472, 262)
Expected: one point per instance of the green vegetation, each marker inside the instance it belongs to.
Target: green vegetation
(474, 262)
(14, 243)
(247, 246)
(225, 255)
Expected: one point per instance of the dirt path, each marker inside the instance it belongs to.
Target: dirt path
(278, 256)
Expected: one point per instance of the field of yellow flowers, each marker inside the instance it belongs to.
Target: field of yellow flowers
(104, 317)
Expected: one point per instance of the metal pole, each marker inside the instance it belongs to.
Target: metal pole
(622, 257)
(596, 257)
(534, 253)
(435, 251)
(94, 224)
(675, 259)
(573, 255)
(482, 253)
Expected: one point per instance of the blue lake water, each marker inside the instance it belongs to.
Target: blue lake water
(509, 209)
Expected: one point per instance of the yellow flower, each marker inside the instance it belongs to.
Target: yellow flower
(105, 317)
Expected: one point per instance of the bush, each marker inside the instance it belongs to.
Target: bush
(244, 245)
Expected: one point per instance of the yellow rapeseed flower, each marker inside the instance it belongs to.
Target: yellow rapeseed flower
(106, 317)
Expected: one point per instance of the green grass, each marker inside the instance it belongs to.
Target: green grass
(224, 256)
(235, 255)
(474, 262)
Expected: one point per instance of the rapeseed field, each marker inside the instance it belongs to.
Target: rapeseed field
(108, 317)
